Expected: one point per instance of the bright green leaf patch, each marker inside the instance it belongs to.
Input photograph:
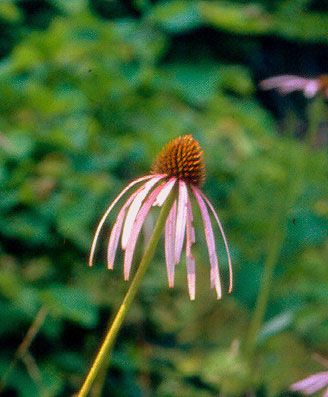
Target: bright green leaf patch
(71, 303)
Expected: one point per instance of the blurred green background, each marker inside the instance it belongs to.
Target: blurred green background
(89, 93)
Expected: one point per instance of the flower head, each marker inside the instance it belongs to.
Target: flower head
(289, 83)
(178, 169)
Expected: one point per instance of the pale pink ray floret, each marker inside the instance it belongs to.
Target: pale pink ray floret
(181, 220)
(170, 244)
(179, 229)
(190, 260)
(178, 170)
(286, 84)
(312, 384)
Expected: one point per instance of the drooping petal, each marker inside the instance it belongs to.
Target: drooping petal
(164, 193)
(223, 237)
(282, 78)
(190, 260)
(134, 209)
(317, 385)
(312, 383)
(107, 212)
(215, 276)
(170, 244)
(284, 83)
(181, 220)
(116, 231)
(141, 216)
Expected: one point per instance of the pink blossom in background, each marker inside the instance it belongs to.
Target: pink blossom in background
(312, 384)
(286, 84)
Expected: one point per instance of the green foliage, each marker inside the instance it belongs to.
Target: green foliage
(86, 103)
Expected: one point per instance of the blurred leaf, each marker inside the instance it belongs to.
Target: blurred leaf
(26, 226)
(226, 370)
(71, 303)
(176, 16)
(236, 78)
(196, 82)
(13, 315)
(253, 19)
(20, 144)
(305, 229)
(70, 7)
(237, 18)
(308, 27)
(9, 11)
(23, 297)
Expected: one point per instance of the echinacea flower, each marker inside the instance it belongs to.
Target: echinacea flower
(289, 83)
(312, 384)
(179, 169)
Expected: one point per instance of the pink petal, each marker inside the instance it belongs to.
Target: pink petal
(107, 212)
(134, 209)
(215, 276)
(164, 193)
(142, 214)
(190, 260)
(326, 393)
(312, 383)
(282, 78)
(286, 81)
(116, 231)
(223, 236)
(317, 385)
(169, 244)
(181, 220)
(311, 88)
(313, 389)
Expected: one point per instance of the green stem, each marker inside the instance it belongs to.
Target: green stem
(264, 293)
(100, 379)
(276, 239)
(106, 347)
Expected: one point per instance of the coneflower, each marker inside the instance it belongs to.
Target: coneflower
(176, 175)
(178, 169)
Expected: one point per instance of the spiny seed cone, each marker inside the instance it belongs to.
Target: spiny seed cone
(183, 158)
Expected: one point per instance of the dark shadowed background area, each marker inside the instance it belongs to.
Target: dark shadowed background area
(89, 93)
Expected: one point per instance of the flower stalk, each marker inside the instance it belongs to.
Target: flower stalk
(177, 173)
(265, 289)
(107, 345)
(277, 236)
